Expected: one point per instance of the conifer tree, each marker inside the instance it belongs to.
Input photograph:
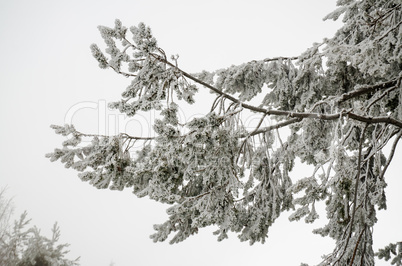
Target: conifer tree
(24, 247)
(28, 247)
(335, 107)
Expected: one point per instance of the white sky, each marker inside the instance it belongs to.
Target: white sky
(47, 70)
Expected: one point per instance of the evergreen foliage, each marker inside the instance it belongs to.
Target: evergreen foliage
(340, 102)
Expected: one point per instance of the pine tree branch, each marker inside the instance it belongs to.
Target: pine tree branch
(344, 97)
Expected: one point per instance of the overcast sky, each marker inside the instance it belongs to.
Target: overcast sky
(48, 76)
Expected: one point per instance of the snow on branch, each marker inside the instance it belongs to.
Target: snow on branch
(335, 107)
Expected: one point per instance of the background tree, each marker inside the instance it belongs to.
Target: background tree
(26, 247)
(6, 211)
(335, 107)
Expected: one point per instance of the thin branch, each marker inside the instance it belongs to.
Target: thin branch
(121, 72)
(359, 161)
(258, 126)
(367, 89)
(137, 138)
(130, 43)
(215, 103)
(276, 126)
(127, 47)
(391, 155)
(378, 119)
(382, 95)
(121, 134)
(391, 29)
(355, 195)
(381, 146)
(280, 58)
(349, 114)
(213, 189)
(227, 96)
(383, 16)
(357, 245)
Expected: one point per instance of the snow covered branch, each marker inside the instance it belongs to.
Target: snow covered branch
(340, 100)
